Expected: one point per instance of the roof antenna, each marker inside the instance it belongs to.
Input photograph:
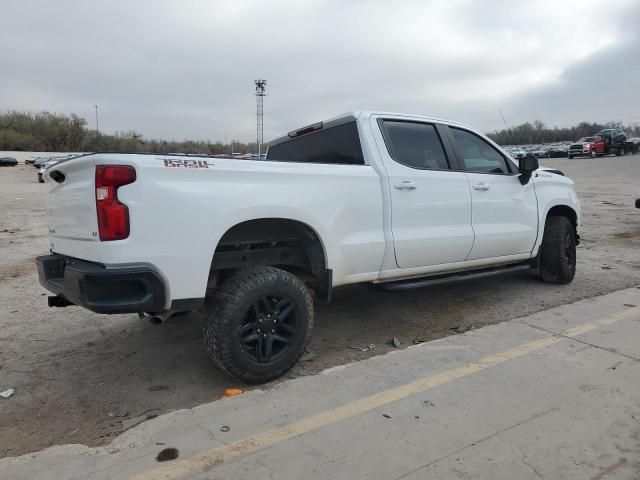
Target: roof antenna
(508, 129)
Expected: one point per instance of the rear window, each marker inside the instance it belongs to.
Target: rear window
(338, 145)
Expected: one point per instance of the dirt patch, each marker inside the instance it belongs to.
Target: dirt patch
(633, 236)
(17, 269)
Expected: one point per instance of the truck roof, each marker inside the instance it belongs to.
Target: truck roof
(355, 115)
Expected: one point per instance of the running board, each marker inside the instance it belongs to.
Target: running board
(456, 277)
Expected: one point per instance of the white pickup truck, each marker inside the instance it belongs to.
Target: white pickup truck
(399, 200)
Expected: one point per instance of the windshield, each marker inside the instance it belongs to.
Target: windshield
(587, 139)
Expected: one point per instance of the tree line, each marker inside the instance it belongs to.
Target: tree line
(538, 132)
(55, 132)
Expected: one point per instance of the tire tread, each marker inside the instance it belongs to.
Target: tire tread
(224, 303)
(552, 269)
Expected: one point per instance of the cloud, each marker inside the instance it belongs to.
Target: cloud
(603, 87)
(186, 69)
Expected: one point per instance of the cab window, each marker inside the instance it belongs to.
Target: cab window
(416, 145)
(477, 155)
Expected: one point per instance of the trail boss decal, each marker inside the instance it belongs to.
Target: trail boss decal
(182, 163)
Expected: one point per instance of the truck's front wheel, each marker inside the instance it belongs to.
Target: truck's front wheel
(558, 251)
(259, 323)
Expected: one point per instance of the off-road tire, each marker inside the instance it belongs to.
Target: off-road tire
(558, 251)
(227, 310)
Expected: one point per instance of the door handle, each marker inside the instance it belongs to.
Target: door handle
(406, 185)
(480, 186)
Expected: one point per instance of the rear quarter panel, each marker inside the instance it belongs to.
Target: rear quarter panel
(178, 214)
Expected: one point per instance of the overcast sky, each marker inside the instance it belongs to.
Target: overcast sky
(185, 69)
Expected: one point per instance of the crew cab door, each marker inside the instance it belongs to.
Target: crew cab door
(504, 212)
(430, 202)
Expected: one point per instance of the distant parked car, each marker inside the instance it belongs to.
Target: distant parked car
(614, 135)
(615, 141)
(633, 145)
(518, 153)
(558, 151)
(37, 163)
(8, 162)
(50, 162)
(540, 152)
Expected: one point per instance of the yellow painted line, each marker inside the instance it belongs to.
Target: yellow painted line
(207, 460)
(587, 327)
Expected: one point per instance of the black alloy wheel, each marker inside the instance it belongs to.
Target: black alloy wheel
(269, 329)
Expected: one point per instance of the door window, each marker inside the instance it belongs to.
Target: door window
(416, 145)
(477, 155)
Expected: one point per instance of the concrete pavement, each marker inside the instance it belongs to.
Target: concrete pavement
(552, 395)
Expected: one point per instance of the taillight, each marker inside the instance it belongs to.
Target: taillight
(113, 216)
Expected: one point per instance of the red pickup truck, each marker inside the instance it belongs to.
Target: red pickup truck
(588, 146)
(610, 141)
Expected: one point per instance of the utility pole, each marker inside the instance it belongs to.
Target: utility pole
(97, 125)
(261, 86)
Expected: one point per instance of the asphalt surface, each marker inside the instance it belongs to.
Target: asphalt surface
(84, 378)
(550, 395)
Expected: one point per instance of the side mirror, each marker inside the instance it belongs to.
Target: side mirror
(527, 166)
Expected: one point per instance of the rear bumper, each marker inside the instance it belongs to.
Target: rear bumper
(102, 289)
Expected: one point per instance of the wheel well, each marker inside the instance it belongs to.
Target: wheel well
(283, 243)
(565, 211)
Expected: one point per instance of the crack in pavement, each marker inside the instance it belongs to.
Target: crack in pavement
(481, 440)
(584, 342)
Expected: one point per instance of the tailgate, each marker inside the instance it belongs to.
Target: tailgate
(71, 203)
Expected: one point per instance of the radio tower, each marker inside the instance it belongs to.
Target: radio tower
(261, 86)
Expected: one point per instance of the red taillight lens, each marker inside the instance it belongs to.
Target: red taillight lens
(113, 216)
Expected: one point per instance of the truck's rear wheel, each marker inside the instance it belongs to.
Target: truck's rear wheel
(259, 323)
(558, 251)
